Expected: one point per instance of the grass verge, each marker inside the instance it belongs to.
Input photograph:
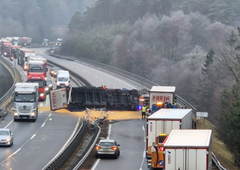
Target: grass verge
(218, 147)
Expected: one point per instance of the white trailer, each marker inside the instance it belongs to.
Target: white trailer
(164, 121)
(58, 99)
(188, 150)
(161, 94)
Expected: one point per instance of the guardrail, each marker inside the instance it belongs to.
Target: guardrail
(217, 163)
(143, 81)
(132, 77)
(60, 160)
(12, 71)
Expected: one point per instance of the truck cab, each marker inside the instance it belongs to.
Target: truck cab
(40, 79)
(25, 100)
(26, 54)
(63, 79)
(37, 68)
(45, 42)
(59, 42)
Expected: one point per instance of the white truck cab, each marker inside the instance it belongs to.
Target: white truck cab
(25, 99)
(63, 79)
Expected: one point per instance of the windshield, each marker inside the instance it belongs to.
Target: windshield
(4, 132)
(63, 79)
(41, 83)
(49, 82)
(106, 144)
(24, 98)
(8, 48)
(36, 70)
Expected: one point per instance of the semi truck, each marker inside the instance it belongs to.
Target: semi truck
(40, 79)
(45, 42)
(17, 41)
(37, 68)
(4, 49)
(25, 100)
(163, 94)
(24, 57)
(59, 42)
(188, 149)
(26, 41)
(40, 58)
(159, 126)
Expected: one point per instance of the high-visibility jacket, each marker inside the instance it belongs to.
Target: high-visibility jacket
(144, 109)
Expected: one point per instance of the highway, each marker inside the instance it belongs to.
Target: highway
(37, 143)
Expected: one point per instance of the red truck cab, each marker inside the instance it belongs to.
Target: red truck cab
(6, 48)
(36, 67)
(40, 79)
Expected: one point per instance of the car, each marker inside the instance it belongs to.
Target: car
(107, 147)
(6, 137)
(54, 71)
(49, 85)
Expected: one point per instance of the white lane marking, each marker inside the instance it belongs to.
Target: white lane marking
(16, 151)
(23, 144)
(143, 128)
(95, 165)
(46, 119)
(33, 136)
(64, 146)
(98, 160)
(8, 124)
(109, 131)
(43, 124)
(142, 160)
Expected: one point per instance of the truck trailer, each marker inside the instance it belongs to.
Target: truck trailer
(159, 125)
(188, 150)
(25, 100)
(163, 94)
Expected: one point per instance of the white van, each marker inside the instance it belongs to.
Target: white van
(63, 79)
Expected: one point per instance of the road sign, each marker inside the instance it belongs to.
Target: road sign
(202, 114)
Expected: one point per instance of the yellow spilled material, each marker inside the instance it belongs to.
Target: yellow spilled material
(111, 115)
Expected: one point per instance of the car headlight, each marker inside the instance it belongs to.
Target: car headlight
(15, 113)
(33, 114)
(50, 85)
(46, 88)
(66, 84)
(58, 83)
(5, 53)
(8, 139)
(41, 94)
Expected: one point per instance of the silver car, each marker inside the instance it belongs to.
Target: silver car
(6, 137)
(107, 147)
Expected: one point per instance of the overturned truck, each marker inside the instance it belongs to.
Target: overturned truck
(81, 98)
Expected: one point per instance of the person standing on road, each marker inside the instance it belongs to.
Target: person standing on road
(144, 108)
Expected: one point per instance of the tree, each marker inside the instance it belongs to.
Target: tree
(74, 24)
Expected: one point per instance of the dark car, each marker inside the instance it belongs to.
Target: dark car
(49, 86)
(54, 71)
(107, 147)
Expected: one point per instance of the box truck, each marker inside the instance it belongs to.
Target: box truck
(188, 150)
(159, 126)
